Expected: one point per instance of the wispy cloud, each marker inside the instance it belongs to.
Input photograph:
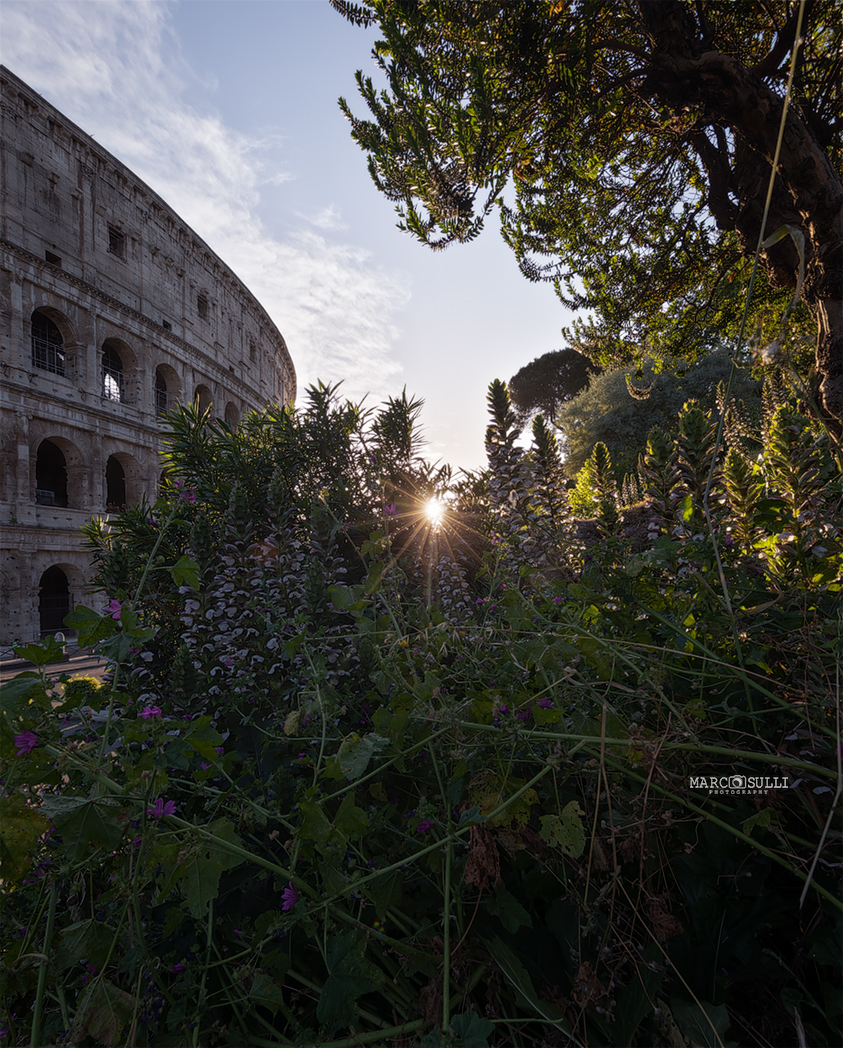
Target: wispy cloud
(328, 218)
(123, 80)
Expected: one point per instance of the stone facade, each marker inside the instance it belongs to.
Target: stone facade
(112, 310)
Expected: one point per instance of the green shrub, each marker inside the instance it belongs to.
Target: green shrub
(366, 787)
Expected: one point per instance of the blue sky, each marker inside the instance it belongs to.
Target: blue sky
(228, 109)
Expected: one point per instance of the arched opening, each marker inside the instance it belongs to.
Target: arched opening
(115, 486)
(232, 416)
(113, 379)
(50, 475)
(162, 397)
(47, 345)
(53, 600)
(205, 397)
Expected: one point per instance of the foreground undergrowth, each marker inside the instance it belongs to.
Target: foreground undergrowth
(356, 778)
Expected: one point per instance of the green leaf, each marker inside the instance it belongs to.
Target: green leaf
(512, 914)
(49, 651)
(185, 572)
(517, 975)
(355, 753)
(314, 825)
(84, 822)
(544, 716)
(350, 820)
(84, 942)
(384, 892)
(103, 1012)
(205, 865)
(470, 1030)
(91, 627)
(20, 828)
(16, 695)
(352, 975)
(266, 992)
(696, 1022)
(766, 818)
(565, 831)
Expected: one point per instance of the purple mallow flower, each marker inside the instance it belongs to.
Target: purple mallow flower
(26, 742)
(150, 711)
(391, 510)
(177, 968)
(424, 826)
(162, 807)
(546, 704)
(114, 609)
(290, 897)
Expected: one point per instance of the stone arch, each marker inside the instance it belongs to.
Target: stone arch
(61, 584)
(58, 473)
(123, 481)
(232, 415)
(50, 334)
(205, 397)
(53, 600)
(167, 389)
(118, 368)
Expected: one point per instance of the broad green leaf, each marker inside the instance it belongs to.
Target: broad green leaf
(314, 825)
(185, 572)
(42, 654)
(20, 828)
(517, 975)
(513, 916)
(84, 942)
(355, 753)
(471, 1030)
(103, 1012)
(352, 975)
(266, 992)
(350, 820)
(17, 695)
(766, 818)
(205, 864)
(85, 822)
(384, 891)
(565, 831)
(91, 627)
(704, 1024)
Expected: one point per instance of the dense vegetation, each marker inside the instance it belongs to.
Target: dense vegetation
(627, 146)
(358, 778)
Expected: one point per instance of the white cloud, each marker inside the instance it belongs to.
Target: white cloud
(328, 218)
(123, 80)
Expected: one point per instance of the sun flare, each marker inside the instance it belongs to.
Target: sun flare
(434, 510)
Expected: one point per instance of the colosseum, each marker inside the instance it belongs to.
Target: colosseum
(112, 310)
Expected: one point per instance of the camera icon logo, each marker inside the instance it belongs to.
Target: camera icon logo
(737, 782)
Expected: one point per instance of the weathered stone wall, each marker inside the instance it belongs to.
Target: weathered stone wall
(88, 245)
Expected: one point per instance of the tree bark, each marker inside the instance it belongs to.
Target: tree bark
(684, 76)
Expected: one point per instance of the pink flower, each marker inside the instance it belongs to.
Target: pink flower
(391, 510)
(26, 741)
(150, 711)
(177, 968)
(290, 897)
(424, 826)
(114, 609)
(546, 704)
(162, 807)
